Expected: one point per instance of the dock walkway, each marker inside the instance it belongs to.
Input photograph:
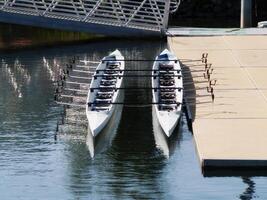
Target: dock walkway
(232, 130)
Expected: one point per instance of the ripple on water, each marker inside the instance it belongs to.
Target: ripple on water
(35, 166)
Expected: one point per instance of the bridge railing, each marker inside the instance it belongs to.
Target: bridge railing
(139, 14)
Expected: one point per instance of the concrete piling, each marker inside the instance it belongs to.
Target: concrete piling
(246, 14)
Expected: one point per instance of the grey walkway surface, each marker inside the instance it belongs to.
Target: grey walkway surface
(182, 31)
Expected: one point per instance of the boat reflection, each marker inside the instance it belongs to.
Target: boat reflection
(103, 140)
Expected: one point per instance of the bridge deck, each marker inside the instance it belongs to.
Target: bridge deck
(79, 26)
(116, 18)
(232, 131)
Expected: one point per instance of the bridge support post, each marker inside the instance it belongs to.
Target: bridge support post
(246, 14)
(166, 13)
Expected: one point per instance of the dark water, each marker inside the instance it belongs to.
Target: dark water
(35, 166)
(17, 36)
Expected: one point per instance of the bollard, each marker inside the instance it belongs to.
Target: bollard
(246, 14)
(213, 97)
(212, 83)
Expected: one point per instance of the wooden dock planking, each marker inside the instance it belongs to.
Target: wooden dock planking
(232, 131)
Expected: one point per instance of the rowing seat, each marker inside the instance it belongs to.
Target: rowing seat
(110, 72)
(166, 107)
(167, 89)
(106, 93)
(105, 89)
(96, 108)
(113, 65)
(97, 100)
(166, 83)
(167, 96)
(166, 66)
(168, 101)
(101, 104)
(107, 86)
(104, 96)
(166, 77)
(108, 77)
(105, 80)
(108, 83)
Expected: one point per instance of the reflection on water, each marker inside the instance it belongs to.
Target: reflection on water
(130, 167)
(54, 68)
(17, 36)
(16, 75)
(250, 191)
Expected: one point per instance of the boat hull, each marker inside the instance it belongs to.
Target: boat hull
(169, 123)
(166, 145)
(98, 119)
(168, 120)
(103, 140)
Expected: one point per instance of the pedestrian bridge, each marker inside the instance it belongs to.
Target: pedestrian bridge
(107, 17)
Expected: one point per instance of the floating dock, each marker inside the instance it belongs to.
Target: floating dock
(232, 130)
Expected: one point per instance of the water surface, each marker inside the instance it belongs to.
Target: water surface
(35, 166)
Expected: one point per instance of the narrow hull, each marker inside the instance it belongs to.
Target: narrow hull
(103, 140)
(167, 123)
(160, 137)
(95, 131)
(101, 97)
(165, 144)
(168, 100)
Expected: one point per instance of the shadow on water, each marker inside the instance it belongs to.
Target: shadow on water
(234, 172)
(189, 95)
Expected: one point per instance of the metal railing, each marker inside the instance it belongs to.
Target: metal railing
(149, 15)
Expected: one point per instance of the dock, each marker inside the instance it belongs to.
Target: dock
(230, 131)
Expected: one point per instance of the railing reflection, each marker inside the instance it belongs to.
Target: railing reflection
(54, 69)
(16, 75)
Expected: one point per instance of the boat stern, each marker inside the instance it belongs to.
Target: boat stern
(97, 121)
(168, 121)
